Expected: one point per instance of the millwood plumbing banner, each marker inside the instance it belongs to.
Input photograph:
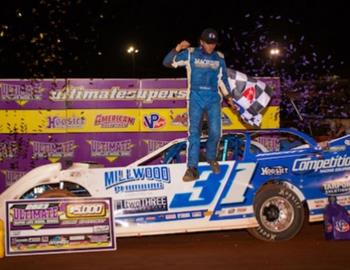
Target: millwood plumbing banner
(108, 121)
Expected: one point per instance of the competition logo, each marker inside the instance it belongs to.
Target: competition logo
(153, 145)
(12, 176)
(111, 150)
(53, 151)
(333, 164)
(153, 121)
(8, 150)
(114, 121)
(21, 94)
(56, 122)
(80, 93)
(147, 178)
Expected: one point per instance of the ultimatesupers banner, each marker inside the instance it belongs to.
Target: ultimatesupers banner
(107, 121)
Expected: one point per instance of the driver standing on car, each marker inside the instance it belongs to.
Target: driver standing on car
(206, 75)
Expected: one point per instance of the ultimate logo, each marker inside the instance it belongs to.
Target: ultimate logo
(111, 150)
(153, 145)
(21, 94)
(8, 150)
(53, 151)
(12, 176)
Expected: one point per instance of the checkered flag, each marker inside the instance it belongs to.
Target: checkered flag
(250, 95)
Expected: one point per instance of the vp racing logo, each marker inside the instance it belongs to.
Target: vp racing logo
(333, 164)
(153, 121)
(137, 179)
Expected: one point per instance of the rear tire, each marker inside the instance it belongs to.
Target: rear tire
(279, 212)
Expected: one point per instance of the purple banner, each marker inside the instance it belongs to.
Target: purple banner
(42, 106)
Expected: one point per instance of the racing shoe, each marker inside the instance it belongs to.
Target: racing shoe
(214, 166)
(191, 174)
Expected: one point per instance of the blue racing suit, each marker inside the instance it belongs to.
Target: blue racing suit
(206, 73)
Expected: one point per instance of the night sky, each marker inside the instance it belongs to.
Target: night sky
(89, 39)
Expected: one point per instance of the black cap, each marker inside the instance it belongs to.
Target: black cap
(209, 36)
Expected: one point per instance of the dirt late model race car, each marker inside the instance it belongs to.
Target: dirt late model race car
(269, 181)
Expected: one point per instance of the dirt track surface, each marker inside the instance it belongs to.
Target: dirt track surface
(212, 250)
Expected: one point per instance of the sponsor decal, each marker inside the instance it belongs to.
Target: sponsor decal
(179, 119)
(153, 121)
(56, 122)
(206, 63)
(76, 237)
(53, 151)
(336, 187)
(119, 178)
(225, 120)
(114, 121)
(333, 164)
(183, 215)
(182, 119)
(12, 176)
(170, 216)
(277, 170)
(153, 145)
(111, 150)
(21, 94)
(26, 240)
(100, 238)
(58, 240)
(234, 211)
(80, 93)
(342, 226)
(142, 205)
(8, 150)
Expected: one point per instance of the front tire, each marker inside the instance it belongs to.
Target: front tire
(279, 212)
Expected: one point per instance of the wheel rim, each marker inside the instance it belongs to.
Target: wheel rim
(276, 214)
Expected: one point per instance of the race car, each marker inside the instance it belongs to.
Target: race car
(269, 181)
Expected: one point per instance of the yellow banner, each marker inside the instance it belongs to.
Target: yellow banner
(72, 120)
(115, 120)
(160, 120)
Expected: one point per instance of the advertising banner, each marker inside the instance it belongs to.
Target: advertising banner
(59, 225)
(112, 122)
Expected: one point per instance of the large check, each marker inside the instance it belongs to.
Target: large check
(59, 225)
